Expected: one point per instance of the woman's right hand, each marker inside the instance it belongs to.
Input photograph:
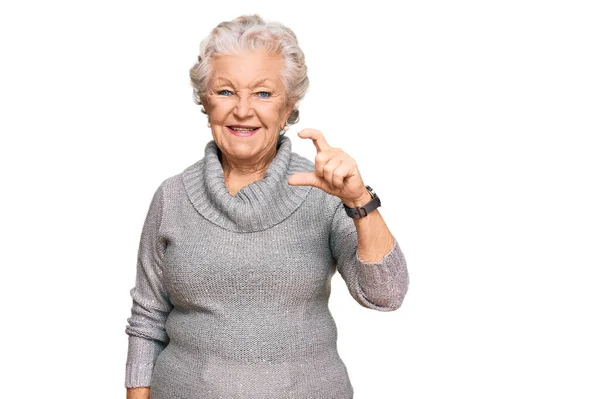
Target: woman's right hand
(138, 393)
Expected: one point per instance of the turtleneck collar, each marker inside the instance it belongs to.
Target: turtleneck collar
(257, 206)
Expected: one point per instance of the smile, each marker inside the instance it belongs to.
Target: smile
(242, 131)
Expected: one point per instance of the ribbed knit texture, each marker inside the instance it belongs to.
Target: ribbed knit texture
(231, 292)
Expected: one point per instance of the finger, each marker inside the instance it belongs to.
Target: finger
(316, 136)
(304, 179)
(321, 160)
(341, 173)
(330, 167)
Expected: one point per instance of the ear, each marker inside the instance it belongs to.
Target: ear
(288, 110)
(205, 105)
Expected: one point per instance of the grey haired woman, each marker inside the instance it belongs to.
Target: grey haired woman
(237, 251)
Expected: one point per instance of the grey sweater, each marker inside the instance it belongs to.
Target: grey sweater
(231, 292)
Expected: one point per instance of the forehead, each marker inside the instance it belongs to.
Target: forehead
(248, 69)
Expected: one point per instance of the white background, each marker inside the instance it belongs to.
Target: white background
(475, 121)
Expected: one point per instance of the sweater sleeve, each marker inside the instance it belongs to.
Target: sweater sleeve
(151, 305)
(375, 285)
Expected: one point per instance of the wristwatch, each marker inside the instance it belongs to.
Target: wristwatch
(362, 211)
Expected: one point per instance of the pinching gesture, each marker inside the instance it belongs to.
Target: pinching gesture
(335, 171)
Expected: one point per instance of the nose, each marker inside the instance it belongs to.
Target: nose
(243, 107)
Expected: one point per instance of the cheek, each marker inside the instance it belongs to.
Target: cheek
(271, 113)
(220, 109)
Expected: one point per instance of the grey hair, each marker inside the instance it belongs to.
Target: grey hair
(247, 33)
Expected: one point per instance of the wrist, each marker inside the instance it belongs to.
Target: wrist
(365, 198)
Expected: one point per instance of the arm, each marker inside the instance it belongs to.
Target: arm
(138, 393)
(151, 306)
(381, 282)
(369, 259)
(374, 237)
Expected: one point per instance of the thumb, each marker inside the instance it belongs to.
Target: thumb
(303, 179)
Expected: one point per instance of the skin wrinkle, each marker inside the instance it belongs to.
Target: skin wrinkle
(246, 159)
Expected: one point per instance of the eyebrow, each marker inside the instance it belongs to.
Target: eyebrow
(256, 83)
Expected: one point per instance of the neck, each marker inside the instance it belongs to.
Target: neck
(238, 174)
(234, 168)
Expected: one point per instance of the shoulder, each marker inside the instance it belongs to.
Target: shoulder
(171, 182)
(170, 187)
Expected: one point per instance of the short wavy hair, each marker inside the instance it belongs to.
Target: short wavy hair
(247, 33)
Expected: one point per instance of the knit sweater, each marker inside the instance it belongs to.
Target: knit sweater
(231, 291)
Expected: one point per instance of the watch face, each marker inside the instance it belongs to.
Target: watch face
(370, 190)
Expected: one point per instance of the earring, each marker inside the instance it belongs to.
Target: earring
(284, 129)
(208, 124)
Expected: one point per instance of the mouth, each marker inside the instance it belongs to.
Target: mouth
(242, 130)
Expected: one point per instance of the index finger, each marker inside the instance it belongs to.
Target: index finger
(317, 137)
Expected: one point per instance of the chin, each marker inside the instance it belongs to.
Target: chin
(241, 149)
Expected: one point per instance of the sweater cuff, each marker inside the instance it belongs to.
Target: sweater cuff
(381, 272)
(138, 375)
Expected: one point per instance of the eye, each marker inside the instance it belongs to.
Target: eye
(263, 94)
(224, 92)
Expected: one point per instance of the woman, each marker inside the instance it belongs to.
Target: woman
(238, 250)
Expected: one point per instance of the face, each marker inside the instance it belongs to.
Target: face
(246, 105)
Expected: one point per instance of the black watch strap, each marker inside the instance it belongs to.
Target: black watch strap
(364, 210)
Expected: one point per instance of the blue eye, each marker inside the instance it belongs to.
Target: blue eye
(224, 92)
(266, 94)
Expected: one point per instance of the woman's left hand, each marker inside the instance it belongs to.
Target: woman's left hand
(335, 172)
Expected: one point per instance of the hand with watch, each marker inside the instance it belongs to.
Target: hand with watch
(364, 210)
(337, 174)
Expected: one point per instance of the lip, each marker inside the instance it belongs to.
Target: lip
(242, 134)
